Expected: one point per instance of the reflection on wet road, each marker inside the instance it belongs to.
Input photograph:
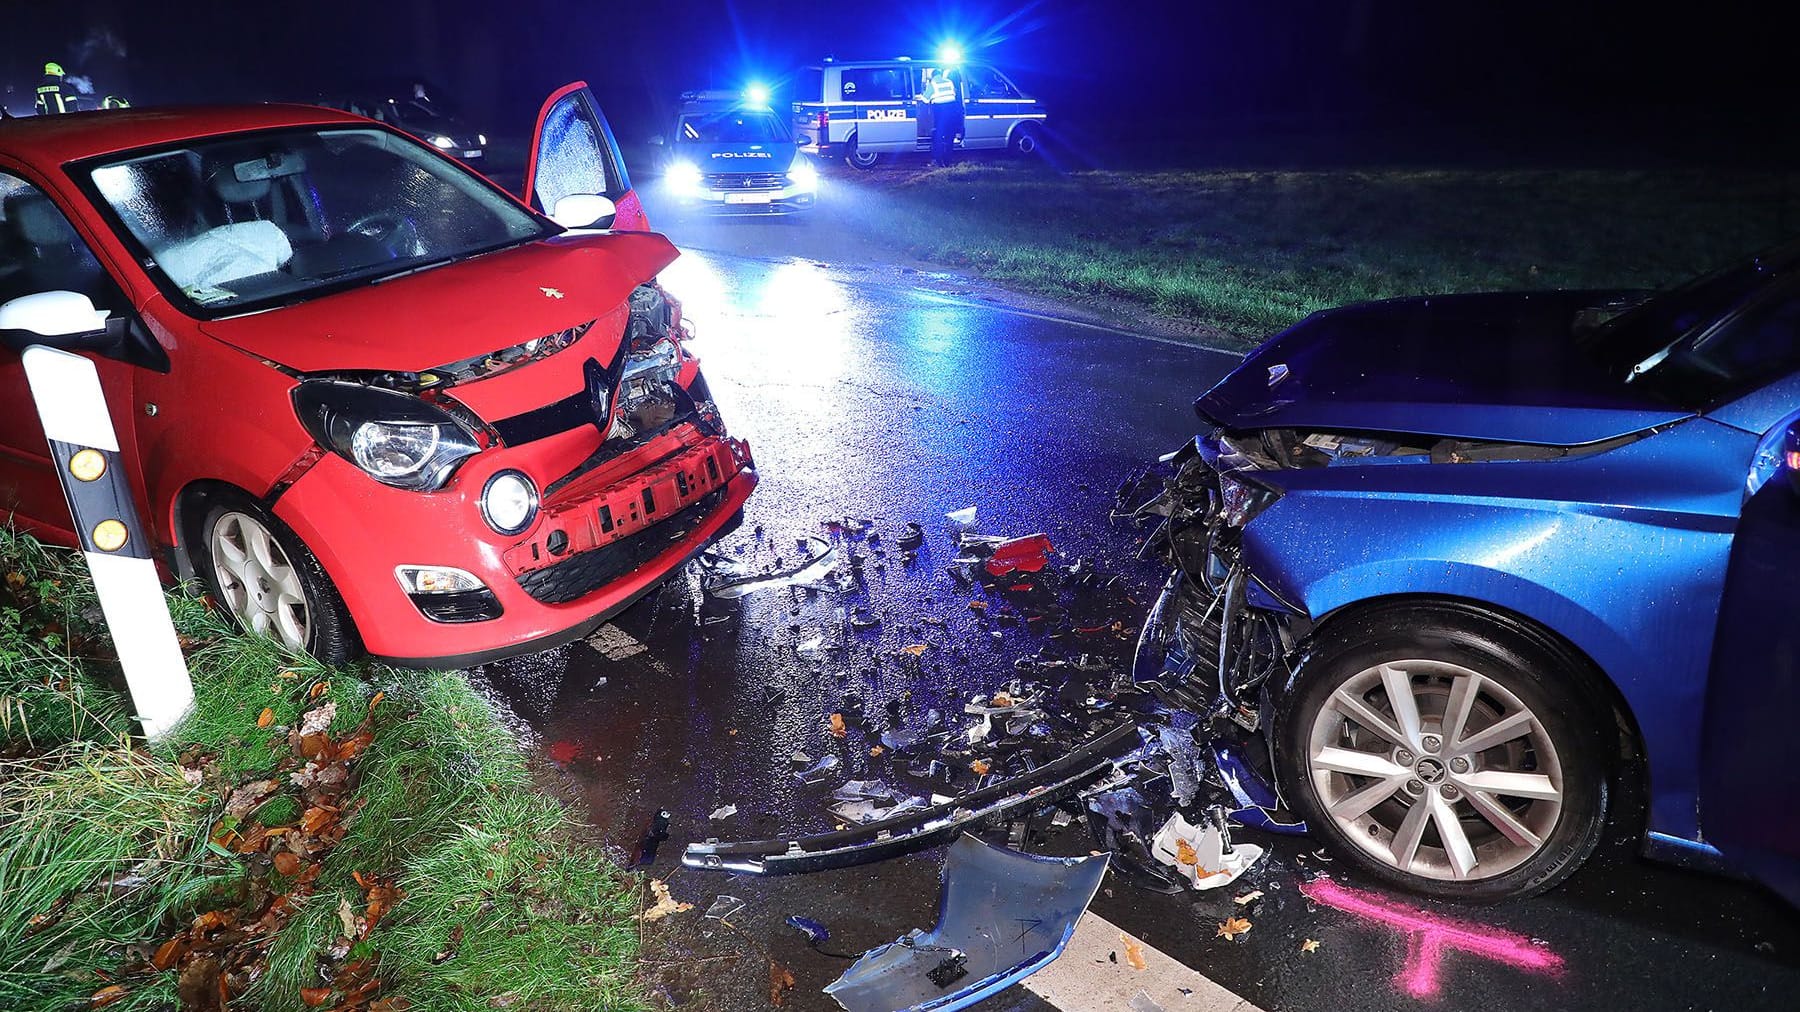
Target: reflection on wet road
(871, 399)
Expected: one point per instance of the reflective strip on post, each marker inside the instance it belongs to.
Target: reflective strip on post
(72, 407)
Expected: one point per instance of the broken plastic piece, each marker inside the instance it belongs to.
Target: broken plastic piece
(1028, 554)
(723, 812)
(726, 581)
(1005, 915)
(962, 517)
(724, 908)
(816, 933)
(913, 537)
(913, 831)
(816, 772)
(1204, 855)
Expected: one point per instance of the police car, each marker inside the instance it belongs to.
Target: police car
(731, 153)
(868, 110)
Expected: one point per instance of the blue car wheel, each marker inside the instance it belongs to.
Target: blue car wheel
(1446, 752)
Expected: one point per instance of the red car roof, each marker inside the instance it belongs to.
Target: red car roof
(54, 140)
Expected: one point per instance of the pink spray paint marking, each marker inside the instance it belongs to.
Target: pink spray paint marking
(1428, 937)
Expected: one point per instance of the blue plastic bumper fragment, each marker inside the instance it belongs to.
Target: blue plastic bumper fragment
(1005, 915)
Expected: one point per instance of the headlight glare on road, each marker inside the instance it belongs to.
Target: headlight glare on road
(395, 438)
(802, 176)
(684, 178)
(509, 502)
(442, 142)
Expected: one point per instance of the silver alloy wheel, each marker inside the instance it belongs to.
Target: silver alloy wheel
(863, 159)
(1436, 770)
(1027, 143)
(260, 585)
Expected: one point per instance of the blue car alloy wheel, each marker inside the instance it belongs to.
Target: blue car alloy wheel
(1447, 750)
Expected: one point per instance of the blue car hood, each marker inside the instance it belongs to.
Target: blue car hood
(740, 157)
(1500, 367)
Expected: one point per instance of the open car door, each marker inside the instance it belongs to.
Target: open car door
(574, 159)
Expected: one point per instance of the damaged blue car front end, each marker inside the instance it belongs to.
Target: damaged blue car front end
(1473, 451)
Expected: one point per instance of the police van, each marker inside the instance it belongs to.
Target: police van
(732, 153)
(868, 110)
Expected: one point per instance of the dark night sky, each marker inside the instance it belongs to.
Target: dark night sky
(1110, 66)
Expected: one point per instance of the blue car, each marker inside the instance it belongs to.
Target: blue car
(1474, 580)
(733, 155)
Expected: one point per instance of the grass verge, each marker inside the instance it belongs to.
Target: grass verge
(433, 876)
(1247, 253)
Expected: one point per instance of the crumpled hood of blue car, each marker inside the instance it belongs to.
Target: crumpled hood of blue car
(1500, 367)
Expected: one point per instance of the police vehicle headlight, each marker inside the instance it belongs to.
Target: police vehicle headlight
(395, 438)
(801, 175)
(440, 141)
(481, 139)
(684, 177)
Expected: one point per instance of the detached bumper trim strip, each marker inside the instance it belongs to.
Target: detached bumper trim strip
(922, 828)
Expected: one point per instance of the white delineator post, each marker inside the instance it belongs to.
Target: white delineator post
(85, 449)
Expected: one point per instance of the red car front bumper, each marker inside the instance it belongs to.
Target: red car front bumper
(598, 545)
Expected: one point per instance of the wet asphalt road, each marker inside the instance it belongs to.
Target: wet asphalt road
(880, 392)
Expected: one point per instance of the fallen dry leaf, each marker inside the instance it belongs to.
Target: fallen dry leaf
(168, 952)
(267, 718)
(376, 700)
(1310, 945)
(1003, 699)
(1184, 853)
(346, 918)
(916, 650)
(246, 798)
(876, 751)
(287, 862)
(837, 724)
(664, 905)
(1134, 953)
(315, 995)
(106, 995)
(506, 1000)
(318, 719)
(981, 767)
(781, 981)
(318, 689)
(1232, 927)
(1250, 897)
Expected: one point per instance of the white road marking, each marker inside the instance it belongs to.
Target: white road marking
(614, 643)
(1085, 978)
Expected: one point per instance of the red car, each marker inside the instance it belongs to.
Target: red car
(372, 400)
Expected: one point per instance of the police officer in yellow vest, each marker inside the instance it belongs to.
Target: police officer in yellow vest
(943, 102)
(50, 97)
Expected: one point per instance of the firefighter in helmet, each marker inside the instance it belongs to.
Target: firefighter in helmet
(50, 97)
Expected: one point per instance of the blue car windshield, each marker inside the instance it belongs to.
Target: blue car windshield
(734, 126)
(1674, 346)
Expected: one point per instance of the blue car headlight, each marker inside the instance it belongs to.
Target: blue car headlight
(1241, 501)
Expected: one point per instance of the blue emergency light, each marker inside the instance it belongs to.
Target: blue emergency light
(950, 54)
(757, 93)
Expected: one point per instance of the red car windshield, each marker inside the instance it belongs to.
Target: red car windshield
(238, 223)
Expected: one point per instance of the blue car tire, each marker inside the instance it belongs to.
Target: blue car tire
(1446, 750)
